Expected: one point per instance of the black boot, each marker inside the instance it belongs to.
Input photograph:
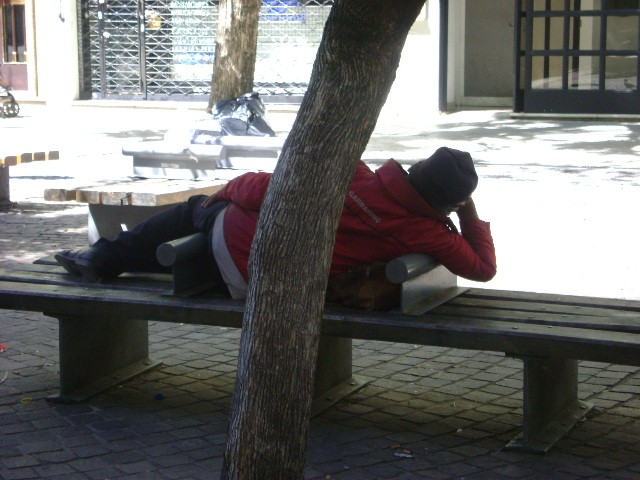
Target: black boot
(91, 264)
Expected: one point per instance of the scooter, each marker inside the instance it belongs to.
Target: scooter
(8, 105)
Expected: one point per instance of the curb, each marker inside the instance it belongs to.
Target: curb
(10, 160)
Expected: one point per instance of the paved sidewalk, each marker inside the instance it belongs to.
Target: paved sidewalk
(561, 196)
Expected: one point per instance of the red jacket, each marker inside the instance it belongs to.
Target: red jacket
(383, 218)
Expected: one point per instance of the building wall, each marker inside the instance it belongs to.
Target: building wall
(414, 95)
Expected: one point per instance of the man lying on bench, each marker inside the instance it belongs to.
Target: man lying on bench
(386, 214)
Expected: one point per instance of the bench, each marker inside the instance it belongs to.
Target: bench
(187, 161)
(104, 338)
(123, 203)
(7, 161)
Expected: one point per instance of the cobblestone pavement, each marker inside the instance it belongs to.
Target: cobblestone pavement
(426, 412)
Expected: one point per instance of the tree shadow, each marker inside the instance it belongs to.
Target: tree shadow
(500, 132)
(35, 230)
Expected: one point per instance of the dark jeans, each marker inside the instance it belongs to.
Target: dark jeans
(135, 250)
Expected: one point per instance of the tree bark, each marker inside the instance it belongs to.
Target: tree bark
(235, 55)
(352, 75)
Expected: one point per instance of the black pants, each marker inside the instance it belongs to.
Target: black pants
(135, 250)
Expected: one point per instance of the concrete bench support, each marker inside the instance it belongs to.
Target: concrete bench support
(5, 196)
(111, 352)
(99, 353)
(107, 221)
(334, 377)
(550, 403)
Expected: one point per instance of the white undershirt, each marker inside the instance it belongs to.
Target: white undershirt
(230, 273)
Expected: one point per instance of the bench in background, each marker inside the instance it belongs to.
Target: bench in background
(189, 161)
(7, 161)
(122, 204)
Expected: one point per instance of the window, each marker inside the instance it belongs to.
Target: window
(13, 31)
(623, 4)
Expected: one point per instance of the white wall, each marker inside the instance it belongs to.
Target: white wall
(414, 94)
(57, 51)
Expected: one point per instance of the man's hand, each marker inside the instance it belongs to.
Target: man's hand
(467, 210)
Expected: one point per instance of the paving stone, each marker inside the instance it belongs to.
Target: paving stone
(356, 409)
(208, 453)
(136, 469)
(50, 423)
(633, 389)
(20, 461)
(170, 460)
(459, 470)
(62, 456)
(18, 474)
(384, 470)
(53, 469)
(581, 471)
(109, 471)
(191, 444)
(153, 438)
(40, 447)
(15, 428)
(89, 451)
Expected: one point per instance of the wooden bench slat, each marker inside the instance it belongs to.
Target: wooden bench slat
(174, 195)
(96, 301)
(575, 309)
(534, 308)
(142, 192)
(615, 321)
(157, 283)
(469, 333)
(619, 304)
(71, 191)
(60, 194)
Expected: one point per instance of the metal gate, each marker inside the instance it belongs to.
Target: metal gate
(578, 56)
(164, 49)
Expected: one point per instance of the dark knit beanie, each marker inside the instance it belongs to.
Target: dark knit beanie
(445, 178)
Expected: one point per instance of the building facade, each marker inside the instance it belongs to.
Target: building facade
(553, 56)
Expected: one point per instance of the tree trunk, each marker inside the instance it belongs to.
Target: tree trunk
(236, 44)
(353, 72)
